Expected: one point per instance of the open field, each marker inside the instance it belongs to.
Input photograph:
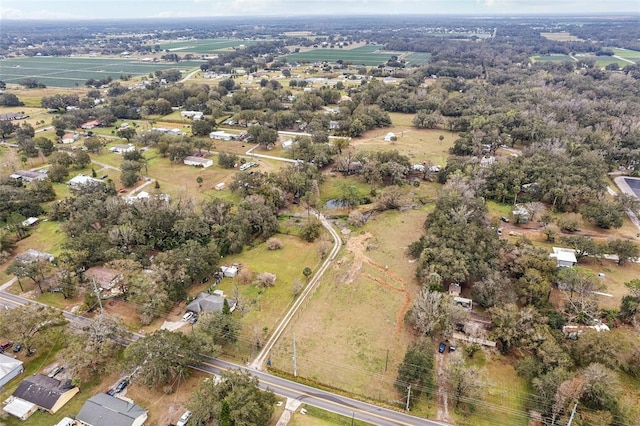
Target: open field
(215, 45)
(632, 55)
(552, 58)
(356, 315)
(73, 72)
(418, 58)
(318, 417)
(601, 61)
(560, 36)
(366, 55)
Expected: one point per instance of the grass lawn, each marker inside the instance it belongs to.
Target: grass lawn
(266, 307)
(317, 417)
(356, 315)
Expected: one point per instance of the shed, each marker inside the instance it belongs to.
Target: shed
(229, 271)
(287, 144)
(30, 221)
(106, 410)
(9, 368)
(565, 257)
(220, 186)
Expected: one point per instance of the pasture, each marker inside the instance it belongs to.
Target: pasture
(75, 71)
(560, 36)
(418, 58)
(629, 55)
(369, 55)
(215, 45)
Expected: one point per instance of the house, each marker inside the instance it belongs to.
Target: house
(40, 392)
(565, 257)
(9, 368)
(28, 175)
(91, 124)
(222, 136)
(229, 271)
(105, 278)
(198, 161)
(30, 221)
(390, 137)
(572, 331)
(144, 196)
(81, 180)
(69, 138)
(121, 149)
(194, 115)
(106, 410)
(31, 255)
(520, 214)
(206, 302)
(11, 116)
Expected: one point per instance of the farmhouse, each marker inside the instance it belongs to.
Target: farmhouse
(565, 257)
(390, 137)
(11, 116)
(121, 149)
(198, 161)
(81, 180)
(206, 302)
(40, 392)
(194, 115)
(9, 368)
(28, 175)
(106, 410)
(222, 136)
(91, 124)
(104, 278)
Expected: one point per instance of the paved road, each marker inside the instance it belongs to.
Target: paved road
(314, 397)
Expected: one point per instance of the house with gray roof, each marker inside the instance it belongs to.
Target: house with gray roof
(209, 303)
(40, 392)
(107, 410)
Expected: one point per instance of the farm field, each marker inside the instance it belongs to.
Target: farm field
(75, 71)
(215, 45)
(600, 60)
(418, 58)
(631, 55)
(560, 36)
(366, 55)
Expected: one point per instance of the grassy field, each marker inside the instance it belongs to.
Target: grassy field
(418, 58)
(74, 72)
(561, 36)
(215, 45)
(365, 55)
(318, 417)
(551, 58)
(343, 335)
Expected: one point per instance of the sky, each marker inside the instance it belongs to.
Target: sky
(118, 9)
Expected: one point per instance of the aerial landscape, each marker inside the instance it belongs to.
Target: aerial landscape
(328, 213)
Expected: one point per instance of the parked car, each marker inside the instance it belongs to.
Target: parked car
(104, 176)
(121, 385)
(193, 320)
(442, 347)
(186, 317)
(504, 219)
(6, 345)
(245, 166)
(17, 347)
(452, 348)
(184, 418)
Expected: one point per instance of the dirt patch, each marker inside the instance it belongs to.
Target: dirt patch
(442, 412)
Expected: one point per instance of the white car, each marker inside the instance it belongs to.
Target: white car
(245, 166)
(187, 316)
(184, 418)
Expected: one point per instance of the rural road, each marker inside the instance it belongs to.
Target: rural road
(337, 242)
(347, 407)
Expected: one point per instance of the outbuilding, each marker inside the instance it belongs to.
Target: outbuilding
(9, 368)
(198, 161)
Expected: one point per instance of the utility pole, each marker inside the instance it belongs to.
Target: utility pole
(95, 288)
(386, 363)
(295, 367)
(408, 395)
(573, 413)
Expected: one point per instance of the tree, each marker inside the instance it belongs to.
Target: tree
(215, 329)
(434, 311)
(6, 128)
(81, 160)
(93, 345)
(199, 180)
(235, 399)
(580, 284)
(30, 324)
(161, 357)
(624, 249)
(58, 172)
(603, 213)
(127, 133)
(311, 229)
(45, 145)
(465, 383)
(492, 290)
(34, 270)
(94, 144)
(307, 272)
(202, 127)
(583, 245)
(417, 368)
(227, 161)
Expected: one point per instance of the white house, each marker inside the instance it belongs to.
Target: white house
(9, 368)
(69, 138)
(81, 180)
(390, 137)
(194, 115)
(222, 136)
(121, 149)
(198, 161)
(565, 257)
(229, 271)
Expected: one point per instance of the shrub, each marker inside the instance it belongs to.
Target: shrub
(266, 279)
(274, 244)
(245, 276)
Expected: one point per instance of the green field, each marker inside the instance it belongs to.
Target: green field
(206, 46)
(418, 58)
(631, 55)
(72, 72)
(551, 58)
(600, 60)
(365, 55)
